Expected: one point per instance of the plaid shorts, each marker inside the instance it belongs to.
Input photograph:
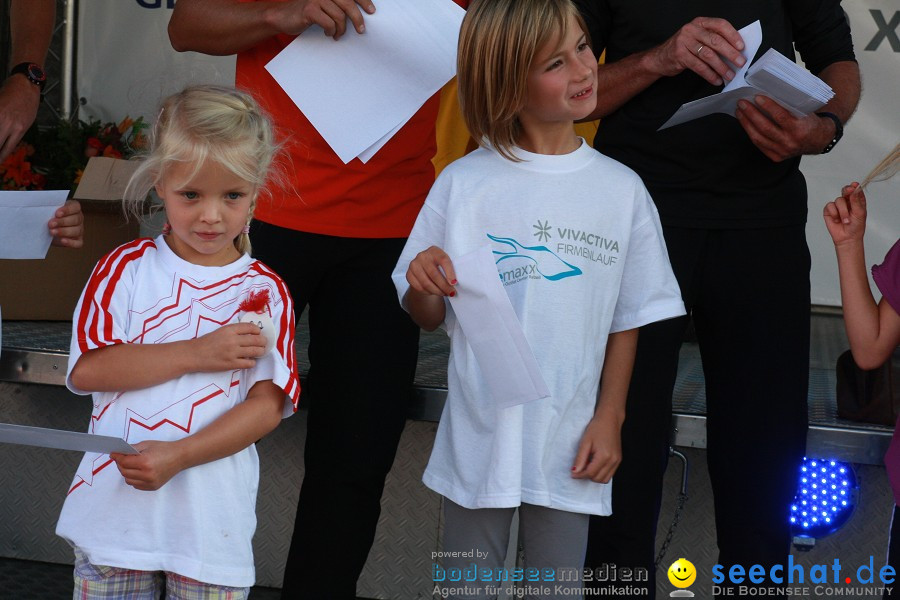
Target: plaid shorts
(98, 582)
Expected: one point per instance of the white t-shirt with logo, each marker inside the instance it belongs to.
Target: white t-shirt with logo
(201, 522)
(580, 251)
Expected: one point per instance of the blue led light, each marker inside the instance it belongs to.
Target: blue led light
(827, 493)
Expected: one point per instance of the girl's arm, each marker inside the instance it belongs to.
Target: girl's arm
(428, 285)
(125, 367)
(873, 329)
(244, 424)
(600, 450)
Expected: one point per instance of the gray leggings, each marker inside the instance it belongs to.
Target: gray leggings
(553, 540)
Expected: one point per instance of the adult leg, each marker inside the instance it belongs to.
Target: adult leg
(363, 353)
(485, 530)
(554, 540)
(627, 538)
(752, 322)
(299, 258)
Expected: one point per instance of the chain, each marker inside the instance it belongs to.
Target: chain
(679, 511)
(679, 506)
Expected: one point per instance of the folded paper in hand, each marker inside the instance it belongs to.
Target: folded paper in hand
(23, 223)
(493, 331)
(61, 439)
(773, 75)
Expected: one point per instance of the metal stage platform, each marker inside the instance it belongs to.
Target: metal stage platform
(37, 351)
(399, 565)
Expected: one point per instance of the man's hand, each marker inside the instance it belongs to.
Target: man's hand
(330, 15)
(19, 99)
(699, 47)
(779, 134)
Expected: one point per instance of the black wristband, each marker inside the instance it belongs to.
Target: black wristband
(838, 130)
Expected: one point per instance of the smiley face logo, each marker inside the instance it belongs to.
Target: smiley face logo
(682, 573)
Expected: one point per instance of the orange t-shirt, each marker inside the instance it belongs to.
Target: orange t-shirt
(378, 199)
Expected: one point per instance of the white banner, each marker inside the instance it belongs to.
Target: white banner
(126, 64)
(871, 133)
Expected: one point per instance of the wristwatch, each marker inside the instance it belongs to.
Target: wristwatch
(838, 130)
(33, 72)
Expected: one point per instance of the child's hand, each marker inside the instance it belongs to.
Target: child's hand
(845, 218)
(600, 450)
(157, 463)
(67, 225)
(234, 346)
(424, 276)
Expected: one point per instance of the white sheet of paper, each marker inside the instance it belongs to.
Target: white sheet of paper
(23, 222)
(736, 89)
(63, 440)
(494, 332)
(367, 154)
(773, 75)
(355, 91)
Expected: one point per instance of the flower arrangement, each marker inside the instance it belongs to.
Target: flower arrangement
(53, 158)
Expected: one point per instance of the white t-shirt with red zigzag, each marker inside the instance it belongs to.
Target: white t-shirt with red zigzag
(200, 524)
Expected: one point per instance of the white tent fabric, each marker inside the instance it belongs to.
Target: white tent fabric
(126, 64)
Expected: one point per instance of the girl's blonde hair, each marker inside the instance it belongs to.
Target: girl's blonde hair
(207, 122)
(886, 169)
(497, 44)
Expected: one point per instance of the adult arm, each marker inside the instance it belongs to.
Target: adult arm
(622, 80)
(242, 425)
(31, 27)
(223, 27)
(125, 367)
(600, 450)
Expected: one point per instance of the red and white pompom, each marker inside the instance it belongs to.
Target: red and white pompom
(255, 309)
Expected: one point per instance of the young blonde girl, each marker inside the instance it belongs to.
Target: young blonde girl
(872, 328)
(156, 341)
(579, 250)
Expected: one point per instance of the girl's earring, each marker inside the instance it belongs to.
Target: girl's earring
(166, 229)
(246, 229)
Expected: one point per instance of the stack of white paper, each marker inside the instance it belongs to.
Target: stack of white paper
(788, 83)
(360, 90)
(773, 75)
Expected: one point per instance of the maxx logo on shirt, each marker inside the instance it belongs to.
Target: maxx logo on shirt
(517, 261)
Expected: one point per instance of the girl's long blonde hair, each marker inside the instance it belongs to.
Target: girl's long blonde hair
(886, 169)
(201, 123)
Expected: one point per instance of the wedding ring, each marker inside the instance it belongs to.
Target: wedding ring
(699, 49)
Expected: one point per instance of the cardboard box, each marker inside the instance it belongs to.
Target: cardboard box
(48, 289)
